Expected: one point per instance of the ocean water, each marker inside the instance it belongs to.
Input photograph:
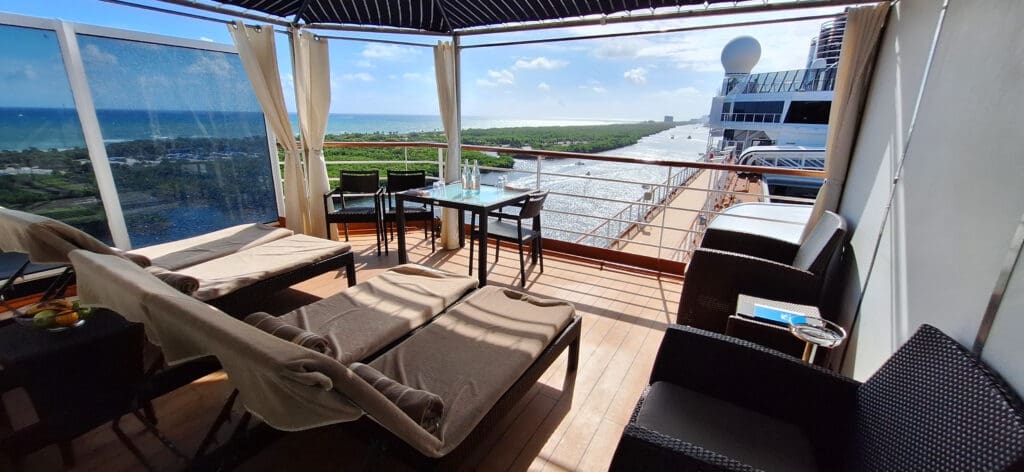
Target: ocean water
(58, 128)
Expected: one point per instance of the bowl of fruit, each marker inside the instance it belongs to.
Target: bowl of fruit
(54, 315)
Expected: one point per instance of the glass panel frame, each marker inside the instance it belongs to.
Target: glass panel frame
(72, 57)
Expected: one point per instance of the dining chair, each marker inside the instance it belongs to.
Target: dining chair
(400, 181)
(355, 184)
(503, 229)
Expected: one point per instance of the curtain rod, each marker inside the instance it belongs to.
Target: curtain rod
(225, 11)
(168, 11)
(369, 40)
(679, 14)
(661, 31)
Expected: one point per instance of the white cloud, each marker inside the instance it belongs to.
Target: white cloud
(497, 78)
(365, 64)
(358, 76)
(682, 92)
(416, 77)
(539, 62)
(543, 86)
(636, 75)
(93, 53)
(389, 52)
(783, 46)
(594, 86)
(210, 64)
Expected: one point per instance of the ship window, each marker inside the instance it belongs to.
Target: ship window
(757, 107)
(815, 113)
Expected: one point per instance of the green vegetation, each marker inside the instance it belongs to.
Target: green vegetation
(585, 139)
(150, 175)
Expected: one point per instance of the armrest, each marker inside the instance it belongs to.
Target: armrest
(643, 449)
(754, 377)
(714, 279)
(751, 244)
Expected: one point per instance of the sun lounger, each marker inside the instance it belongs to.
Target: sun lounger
(480, 355)
(234, 266)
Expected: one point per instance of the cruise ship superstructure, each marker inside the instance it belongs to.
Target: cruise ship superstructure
(776, 108)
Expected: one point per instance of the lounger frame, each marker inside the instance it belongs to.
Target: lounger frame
(236, 302)
(245, 443)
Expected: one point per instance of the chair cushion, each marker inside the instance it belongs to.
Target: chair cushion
(188, 252)
(474, 352)
(508, 231)
(744, 435)
(226, 274)
(371, 315)
(934, 406)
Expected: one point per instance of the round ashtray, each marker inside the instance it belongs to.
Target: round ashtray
(818, 331)
(53, 315)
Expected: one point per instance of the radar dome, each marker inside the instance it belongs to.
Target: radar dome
(740, 55)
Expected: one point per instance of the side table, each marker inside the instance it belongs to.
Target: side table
(801, 339)
(76, 379)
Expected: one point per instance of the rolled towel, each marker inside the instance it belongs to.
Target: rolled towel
(183, 283)
(138, 259)
(275, 326)
(424, 407)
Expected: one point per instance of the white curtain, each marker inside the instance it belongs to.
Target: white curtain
(313, 99)
(856, 61)
(259, 56)
(447, 98)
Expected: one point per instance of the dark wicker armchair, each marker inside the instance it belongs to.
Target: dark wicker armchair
(932, 407)
(715, 278)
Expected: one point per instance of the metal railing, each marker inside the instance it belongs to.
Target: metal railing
(630, 205)
(800, 80)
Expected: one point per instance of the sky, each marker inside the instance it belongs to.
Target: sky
(625, 78)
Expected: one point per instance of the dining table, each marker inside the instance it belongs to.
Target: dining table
(482, 202)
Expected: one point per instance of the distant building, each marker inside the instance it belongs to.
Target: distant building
(669, 119)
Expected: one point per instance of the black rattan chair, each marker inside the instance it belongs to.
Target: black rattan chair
(502, 230)
(715, 278)
(400, 181)
(358, 184)
(718, 403)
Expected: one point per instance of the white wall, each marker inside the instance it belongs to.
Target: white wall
(958, 202)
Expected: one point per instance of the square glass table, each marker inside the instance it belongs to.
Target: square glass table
(488, 199)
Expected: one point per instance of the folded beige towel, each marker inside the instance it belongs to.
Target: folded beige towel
(275, 326)
(183, 283)
(422, 406)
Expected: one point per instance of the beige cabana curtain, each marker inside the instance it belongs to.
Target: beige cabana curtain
(447, 98)
(259, 56)
(313, 100)
(856, 61)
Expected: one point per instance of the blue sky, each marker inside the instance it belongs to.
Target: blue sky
(639, 77)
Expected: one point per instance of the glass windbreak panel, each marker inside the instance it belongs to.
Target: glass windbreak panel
(44, 165)
(185, 137)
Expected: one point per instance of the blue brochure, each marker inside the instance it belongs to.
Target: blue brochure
(778, 316)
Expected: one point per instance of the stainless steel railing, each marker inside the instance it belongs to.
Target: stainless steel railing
(641, 207)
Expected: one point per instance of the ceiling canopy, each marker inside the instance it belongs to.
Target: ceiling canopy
(445, 16)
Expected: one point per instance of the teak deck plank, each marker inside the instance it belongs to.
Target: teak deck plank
(624, 317)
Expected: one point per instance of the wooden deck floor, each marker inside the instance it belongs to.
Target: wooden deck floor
(624, 317)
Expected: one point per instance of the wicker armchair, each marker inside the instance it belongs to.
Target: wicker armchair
(715, 278)
(933, 406)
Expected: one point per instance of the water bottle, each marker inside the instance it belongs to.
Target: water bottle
(464, 174)
(474, 178)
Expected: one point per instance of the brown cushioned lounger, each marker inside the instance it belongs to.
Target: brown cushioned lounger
(482, 353)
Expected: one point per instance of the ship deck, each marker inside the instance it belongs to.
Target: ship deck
(624, 317)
